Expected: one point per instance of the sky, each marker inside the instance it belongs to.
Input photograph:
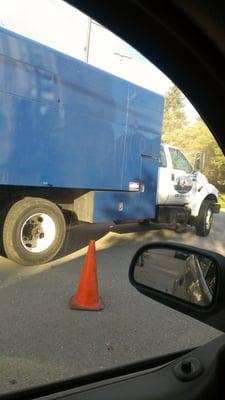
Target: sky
(62, 27)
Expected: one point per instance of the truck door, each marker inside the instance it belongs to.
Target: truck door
(182, 180)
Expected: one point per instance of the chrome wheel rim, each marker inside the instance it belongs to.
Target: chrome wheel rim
(38, 233)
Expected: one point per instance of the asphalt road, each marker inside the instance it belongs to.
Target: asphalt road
(42, 340)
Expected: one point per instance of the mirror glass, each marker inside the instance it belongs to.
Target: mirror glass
(187, 276)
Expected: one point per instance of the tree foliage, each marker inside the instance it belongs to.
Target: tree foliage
(175, 119)
(192, 138)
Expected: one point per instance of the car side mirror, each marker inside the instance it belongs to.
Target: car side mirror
(183, 277)
(199, 161)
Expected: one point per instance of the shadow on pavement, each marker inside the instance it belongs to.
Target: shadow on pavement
(78, 236)
(129, 234)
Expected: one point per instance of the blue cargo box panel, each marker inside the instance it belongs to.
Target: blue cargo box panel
(139, 203)
(67, 124)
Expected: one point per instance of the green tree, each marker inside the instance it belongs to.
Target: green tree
(175, 119)
(192, 138)
(197, 137)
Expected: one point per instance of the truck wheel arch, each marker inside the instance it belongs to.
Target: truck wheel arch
(211, 197)
(195, 209)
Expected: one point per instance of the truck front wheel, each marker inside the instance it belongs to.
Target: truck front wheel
(33, 231)
(205, 218)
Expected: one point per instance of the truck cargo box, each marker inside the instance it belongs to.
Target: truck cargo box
(67, 124)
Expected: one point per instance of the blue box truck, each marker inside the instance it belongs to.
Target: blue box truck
(75, 138)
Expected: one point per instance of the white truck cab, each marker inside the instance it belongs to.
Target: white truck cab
(184, 192)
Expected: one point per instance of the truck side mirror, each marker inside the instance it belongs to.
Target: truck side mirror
(185, 278)
(199, 162)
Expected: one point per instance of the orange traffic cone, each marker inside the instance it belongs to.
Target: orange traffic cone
(87, 296)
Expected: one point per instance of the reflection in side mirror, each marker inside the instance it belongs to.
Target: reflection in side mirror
(183, 274)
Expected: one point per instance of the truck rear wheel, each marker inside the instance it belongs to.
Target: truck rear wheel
(205, 218)
(33, 231)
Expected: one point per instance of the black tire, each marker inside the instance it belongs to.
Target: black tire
(205, 218)
(27, 218)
